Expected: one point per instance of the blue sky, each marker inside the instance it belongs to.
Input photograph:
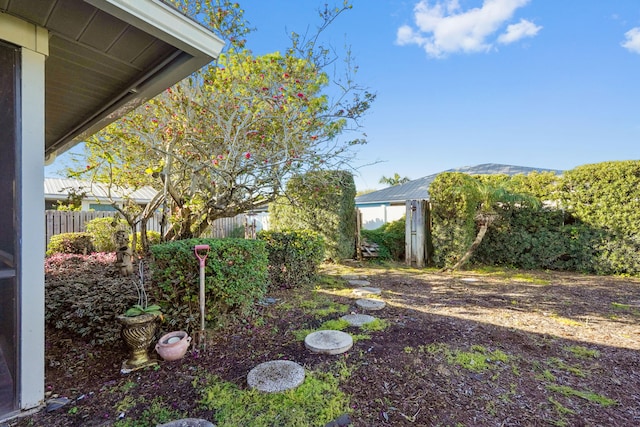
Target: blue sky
(539, 83)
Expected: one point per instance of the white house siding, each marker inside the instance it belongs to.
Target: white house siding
(374, 216)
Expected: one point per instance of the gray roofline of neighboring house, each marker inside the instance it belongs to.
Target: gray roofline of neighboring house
(419, 188)
(58, 189)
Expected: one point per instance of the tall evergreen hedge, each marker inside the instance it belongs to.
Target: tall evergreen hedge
(320, 201)
(589, 221)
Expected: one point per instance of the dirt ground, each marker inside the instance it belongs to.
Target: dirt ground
(501, 348)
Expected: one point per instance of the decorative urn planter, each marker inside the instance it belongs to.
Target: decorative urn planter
(138, 333)
(173, 346)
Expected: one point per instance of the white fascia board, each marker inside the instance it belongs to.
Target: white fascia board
(165, 23)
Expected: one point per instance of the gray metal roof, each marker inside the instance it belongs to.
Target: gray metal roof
(419, 188)
(58, 189)
(106, 57)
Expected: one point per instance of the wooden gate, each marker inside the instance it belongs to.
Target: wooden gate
(417, 233)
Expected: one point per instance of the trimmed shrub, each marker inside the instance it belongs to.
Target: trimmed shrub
(605, 196)
(590, 223)
(70, 243)
(153, 237)
(320, 201)
(454, 228)
(102, 229)
(235, 278)
(87, 304)
(294, 256)
(390, 238)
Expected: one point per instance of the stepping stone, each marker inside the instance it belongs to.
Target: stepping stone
(352, 277)
(469, 279)
(359, 282)
(358, 319)
(328, 342)
(276, 376)
(370, 304)
(367, 290)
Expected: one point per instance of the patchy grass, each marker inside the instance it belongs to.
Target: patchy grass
(561, 365)
(583, 394)
(376, 326)
(582, 352)
(319, 399)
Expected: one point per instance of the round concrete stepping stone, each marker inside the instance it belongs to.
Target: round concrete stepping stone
(367, 290)
(328, 342)
(359, 282)
(469, 279)
(358, 319)
(276, 376)
(370, 304)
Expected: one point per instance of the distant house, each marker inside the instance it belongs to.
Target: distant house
(96, 196)
(388, 204)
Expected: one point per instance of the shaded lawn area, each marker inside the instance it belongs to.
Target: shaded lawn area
(476, 348)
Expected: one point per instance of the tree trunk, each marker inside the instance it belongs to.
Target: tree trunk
(484, 226)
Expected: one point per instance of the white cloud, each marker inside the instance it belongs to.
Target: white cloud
(519, 31)
(633, 40)
(442, 27)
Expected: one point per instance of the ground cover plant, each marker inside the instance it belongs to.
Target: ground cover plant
(477, 348)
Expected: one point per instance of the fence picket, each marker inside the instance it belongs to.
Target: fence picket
(57, 222)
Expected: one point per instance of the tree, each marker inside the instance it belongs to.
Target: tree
(489, 200)
(394, 180)
(227, 139)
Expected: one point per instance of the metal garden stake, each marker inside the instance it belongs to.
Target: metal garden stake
(201, 252)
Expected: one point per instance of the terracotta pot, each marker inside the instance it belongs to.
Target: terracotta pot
(173, 346)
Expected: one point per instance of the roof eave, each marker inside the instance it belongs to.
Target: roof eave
(197, 47)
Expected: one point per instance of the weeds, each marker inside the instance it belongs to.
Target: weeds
(586, 395)
(583, 352)
(319, 399)
(563, 366)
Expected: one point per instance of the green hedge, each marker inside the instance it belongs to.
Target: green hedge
(589, 221)
(70, 243)
(323, 202)
(153, 238)
(236, 277)
(390, 238)
(453, 227)
(102, 229)
(294, 256)
(605, 196)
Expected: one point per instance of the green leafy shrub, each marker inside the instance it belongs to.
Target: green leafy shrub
(153, 237)
(590, 222)
(617, 253)
(102, 229)
(235, 278)
(321, 201)
(86, 303)
(454, 228)
(294, 256)
(390, 238)
(605, 195)
(70, 243)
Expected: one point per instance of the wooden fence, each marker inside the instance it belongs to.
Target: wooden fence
(57, 222)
